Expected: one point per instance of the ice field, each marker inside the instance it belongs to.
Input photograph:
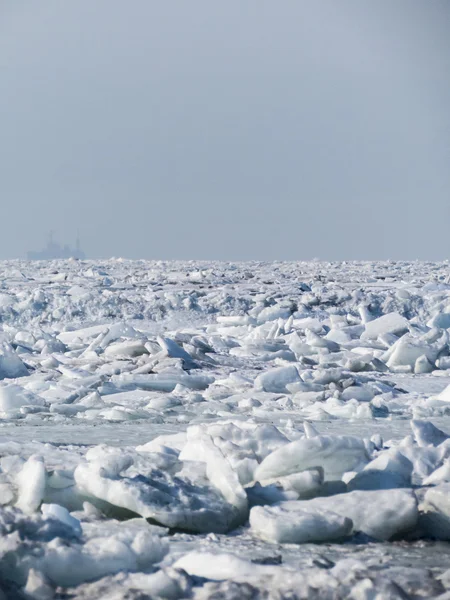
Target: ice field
(224, 430)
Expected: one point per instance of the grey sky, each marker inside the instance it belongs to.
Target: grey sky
(239, 129)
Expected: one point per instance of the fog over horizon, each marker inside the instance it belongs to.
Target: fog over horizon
(247, 130)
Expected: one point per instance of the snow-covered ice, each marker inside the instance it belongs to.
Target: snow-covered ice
(224, 430)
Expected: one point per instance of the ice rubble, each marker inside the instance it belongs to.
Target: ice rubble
(173, 501)
(199, 490)
(232, 375)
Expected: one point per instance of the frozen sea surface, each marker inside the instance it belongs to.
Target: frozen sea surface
(224, 430)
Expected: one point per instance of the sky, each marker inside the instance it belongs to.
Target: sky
(237, 130)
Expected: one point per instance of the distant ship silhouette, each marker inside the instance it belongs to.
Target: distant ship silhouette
(54, 250)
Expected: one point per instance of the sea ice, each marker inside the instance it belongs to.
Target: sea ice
(168, 429)
(275, 524)
(379, 514)
(334, 454)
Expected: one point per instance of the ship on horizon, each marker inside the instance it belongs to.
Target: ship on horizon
(54, 250)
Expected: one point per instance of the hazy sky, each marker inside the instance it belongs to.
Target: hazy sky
(233, 129)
